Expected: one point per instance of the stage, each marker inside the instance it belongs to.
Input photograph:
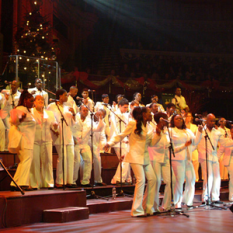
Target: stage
(200, 220)
(76, 210)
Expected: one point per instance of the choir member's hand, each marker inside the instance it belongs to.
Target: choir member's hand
(188, 143)
(7, 96)
(72, 111)
(55, 126)
(56, 133)
(33, 92)
(106, 147)
(22, 117)
(85, 101)
(200, 128)
(122, 158)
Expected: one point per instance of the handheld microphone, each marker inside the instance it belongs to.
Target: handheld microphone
(197, 115)
(78, 98)
(89, 90)
(53, 100)
(162, 119)
(7, 82)
(199, 120)
(229, 122)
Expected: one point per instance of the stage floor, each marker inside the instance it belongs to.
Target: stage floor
(200, 220)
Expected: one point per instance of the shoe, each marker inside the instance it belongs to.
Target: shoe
(100, 184)
(203, 203)
(217, 202)
(119, 183)
(50, 188)
(128, 183)
(141, 216)
(58, 186)
(190, 207)
(178, 209)
(71, 185)
(86, 185)
(24, 188)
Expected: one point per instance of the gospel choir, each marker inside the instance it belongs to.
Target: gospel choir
(143, 138)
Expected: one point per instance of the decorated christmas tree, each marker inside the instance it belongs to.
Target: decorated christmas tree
(33, 39)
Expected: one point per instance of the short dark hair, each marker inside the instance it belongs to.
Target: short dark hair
(169, 105)
(39, 79)
(24, 96)
(104, 96)
(85, 89)
(119, 95)
(134, 95)
(60, 92)
(153, 96)
(123, 101)
(172, 124)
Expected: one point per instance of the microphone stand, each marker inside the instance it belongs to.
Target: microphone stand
(172, 212)
(63, 146)
(208, 202)
(120, 120)
(93, 195)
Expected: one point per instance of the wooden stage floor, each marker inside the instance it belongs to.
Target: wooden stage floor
(200, 220)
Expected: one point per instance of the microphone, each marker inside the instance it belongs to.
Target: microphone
(53, 100)
(229, 122)
(78, 98)
(162, 119)
(197, 115)
(7, 82)
(89, 90)
(199, 120)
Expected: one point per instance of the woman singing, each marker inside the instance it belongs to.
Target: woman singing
(182, 162)
(138, 157)
(21, 139)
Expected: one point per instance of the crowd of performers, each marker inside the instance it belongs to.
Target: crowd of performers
(139, 134)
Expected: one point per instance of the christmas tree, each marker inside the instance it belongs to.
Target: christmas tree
(33, 38)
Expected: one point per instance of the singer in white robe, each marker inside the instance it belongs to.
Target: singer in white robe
(37, 90)
(139, 159)
(41, 173)
(81, 133)
(182, 162)
(21, 138)
(228, 163)
(10, 101)
(66, 134)
(117, 127)
(214, 179)
(2, 126)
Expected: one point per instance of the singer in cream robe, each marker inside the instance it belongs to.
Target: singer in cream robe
(116, 127)
(182, 162)
(10, 101)
(228, 163)
(68, 143)
(139, 160)
(2, 126)
(21, 140)
(81, 133)
(214, 179)
(41, 173)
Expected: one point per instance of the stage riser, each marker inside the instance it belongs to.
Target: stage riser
(68, 214)
(29, 208)
(109, 207)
